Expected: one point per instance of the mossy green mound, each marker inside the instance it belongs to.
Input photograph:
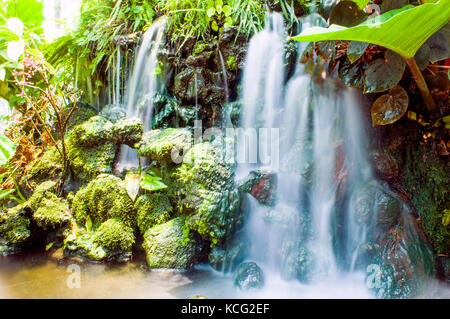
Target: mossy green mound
(127, 131)
(14, 226)
(169, 246)
(97, 130)
(114, 235)
(152, 209)
(103, 198)
(165, 145)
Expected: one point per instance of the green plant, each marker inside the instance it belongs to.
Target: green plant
(403, 31)
(219, 15)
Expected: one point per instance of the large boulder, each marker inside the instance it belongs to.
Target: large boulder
(170, 246)
(103, 198)
(97, 130)
(165, 145)
(211, 199)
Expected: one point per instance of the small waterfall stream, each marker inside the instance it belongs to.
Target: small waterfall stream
(321, 147)
(142, 86)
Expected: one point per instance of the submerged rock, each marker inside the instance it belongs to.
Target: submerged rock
(103, 198)
(165, 145)
(249, 276)
(169, 246)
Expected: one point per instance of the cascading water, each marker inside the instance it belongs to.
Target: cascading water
(142, 86)
(321, 147)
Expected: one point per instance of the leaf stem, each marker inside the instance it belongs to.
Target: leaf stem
(423, 88)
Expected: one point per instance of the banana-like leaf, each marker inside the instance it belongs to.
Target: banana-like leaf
(403, 30)
(361, 3)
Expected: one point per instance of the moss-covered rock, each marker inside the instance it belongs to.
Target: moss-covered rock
(211, 199)
(427, 179)
(53, 212)
(152, 209)
(113, 112)
(87, 163)
(114, 235)
(80, 114)
(83, 245)
(103, 198)
(49, 166)
(14, 227)
(97, 130)
(159, 145)
(170, 246)
(127, 131)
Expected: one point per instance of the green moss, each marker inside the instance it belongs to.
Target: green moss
(428, 183)
(53, 212)
(14, 226)
(83, 245)
(152, 209)
(103, 198)
(166, 245)
(49, 166)
(44, 190)
(114, 235)
(97, 130)
(87, 163)
(159, 144)
(127, 131)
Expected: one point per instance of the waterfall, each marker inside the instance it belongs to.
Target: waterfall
(321, 148)
(142, 86)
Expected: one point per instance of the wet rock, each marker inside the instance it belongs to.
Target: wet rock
(52, 213)
(248, 276)
(261, 185)
(443, 268)
(169, 246)
(113, 112)
(210, 197)
(103, 198)
(152, 209)
(165, 145)
(404, 262)
(297, 262)
(127, 131)
(385, 166)
(388, 208)
(228, 256)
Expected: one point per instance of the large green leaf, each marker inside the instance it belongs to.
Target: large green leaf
(7, 149)
(403, 30)
(152, 183)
